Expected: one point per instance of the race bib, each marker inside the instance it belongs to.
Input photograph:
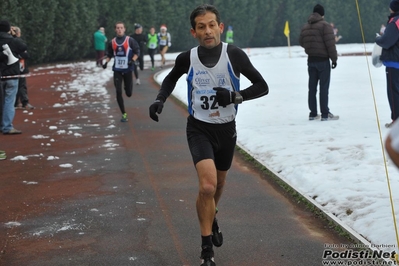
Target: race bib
(162, 42)
(121, 62)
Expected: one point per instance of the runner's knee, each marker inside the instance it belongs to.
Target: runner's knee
(207, 189)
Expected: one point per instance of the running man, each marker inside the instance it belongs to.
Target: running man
(214, 93)
(141, 39)
(152, 44)
(229, 35)
(165, 41)
(125, 51)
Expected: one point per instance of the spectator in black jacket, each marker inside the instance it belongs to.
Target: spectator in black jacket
(317, 37)
(10, 74)
(22, 100)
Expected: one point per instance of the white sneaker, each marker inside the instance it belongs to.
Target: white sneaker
(314, 117)
(330, 117)
(29, 106)
(138, 82)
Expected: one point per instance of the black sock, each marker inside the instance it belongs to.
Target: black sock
(207, 241)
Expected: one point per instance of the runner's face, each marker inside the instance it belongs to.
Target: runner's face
(120, 29)
(207, 30)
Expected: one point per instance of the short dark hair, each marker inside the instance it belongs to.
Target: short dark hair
(201, 10)
(119, 22)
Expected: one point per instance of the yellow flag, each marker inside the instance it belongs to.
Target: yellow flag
(286, 29)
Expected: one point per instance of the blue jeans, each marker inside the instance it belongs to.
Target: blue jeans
(319, 71)
(10, 93)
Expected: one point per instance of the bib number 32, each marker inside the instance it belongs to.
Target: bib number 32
(209, 102)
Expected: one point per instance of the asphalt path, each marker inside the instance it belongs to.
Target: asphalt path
(95, 191)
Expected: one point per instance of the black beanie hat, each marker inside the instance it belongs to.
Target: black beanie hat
(394, 5)
(318, 9)
(137, 26)
(5, 26)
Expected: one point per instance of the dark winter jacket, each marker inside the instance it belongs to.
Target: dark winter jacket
(141, 39)
(23, 65)
(17, 47)
(317, 37)
(389, 41)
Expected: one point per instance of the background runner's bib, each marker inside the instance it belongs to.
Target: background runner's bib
(152, 41)
(201, 80)
(122, 54)
(164, 39)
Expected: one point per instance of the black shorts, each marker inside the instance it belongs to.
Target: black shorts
(212, 141)
(161, 47)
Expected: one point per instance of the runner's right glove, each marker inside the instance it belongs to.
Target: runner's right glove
(225, 97)
(156, 108)
(105, 65)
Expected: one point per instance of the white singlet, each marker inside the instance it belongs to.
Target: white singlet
(201, 80)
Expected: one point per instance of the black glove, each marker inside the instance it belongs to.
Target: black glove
(105, 65)
(130, 62)
(156, 108)
(224, 97)
(334, 65)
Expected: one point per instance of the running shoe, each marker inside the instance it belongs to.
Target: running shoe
(217, 236)
(207, 256)
(124, 118)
